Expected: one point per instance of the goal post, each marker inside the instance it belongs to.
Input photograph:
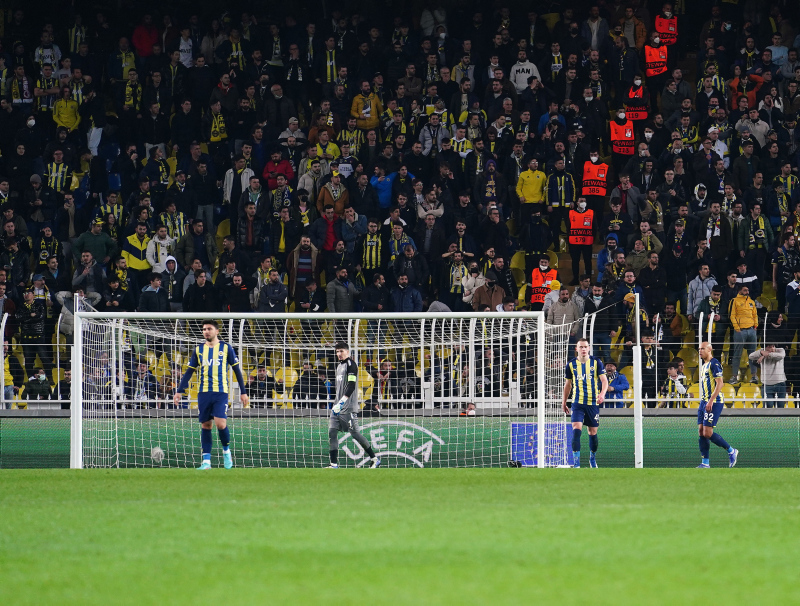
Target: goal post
(420, 376)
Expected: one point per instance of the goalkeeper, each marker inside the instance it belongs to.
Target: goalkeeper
(344, 415)
(211, 361)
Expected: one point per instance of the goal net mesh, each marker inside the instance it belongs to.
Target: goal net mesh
(419, 381)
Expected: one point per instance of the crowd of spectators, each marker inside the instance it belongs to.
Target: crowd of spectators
(399, 157)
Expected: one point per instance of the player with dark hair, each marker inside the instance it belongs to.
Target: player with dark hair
(211, 360)
(711, 406)
(344, 414)
(587, 381)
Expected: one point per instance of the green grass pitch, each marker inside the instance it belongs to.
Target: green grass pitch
(400, 536)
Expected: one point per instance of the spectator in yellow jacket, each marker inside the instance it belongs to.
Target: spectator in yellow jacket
(366, 108)
(66, 111)
(744, 321)
(530, 189)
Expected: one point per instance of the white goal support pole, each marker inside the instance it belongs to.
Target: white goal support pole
(638, 431)
(76, 394)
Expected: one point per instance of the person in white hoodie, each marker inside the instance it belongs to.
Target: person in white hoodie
(521, 71)
(159, 248)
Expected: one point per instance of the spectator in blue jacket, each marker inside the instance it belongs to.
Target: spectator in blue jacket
(383, 187)
(405, 298)
(617, 384)
(606, 254)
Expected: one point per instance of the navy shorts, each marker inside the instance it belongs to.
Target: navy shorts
(212, 404)
(587, 414)
(709, 419)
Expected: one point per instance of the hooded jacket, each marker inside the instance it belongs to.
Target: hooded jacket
(605, 255)
(172, 282)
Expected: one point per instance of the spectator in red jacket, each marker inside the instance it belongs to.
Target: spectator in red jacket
(277, 165)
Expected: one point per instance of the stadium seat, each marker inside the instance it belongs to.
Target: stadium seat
(769, 304)
(553, 259)
(511, 224)
(365, 385)
(627, 372)
(693, 393)
(288, 376)
(689, 356)
(628, 397)
(685, 325)
(728, 394)
(518, 261)
(283, 400)
(750, 396)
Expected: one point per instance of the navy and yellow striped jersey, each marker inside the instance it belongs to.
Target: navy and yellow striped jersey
(708, 378)
(211, 363)
(585, 377)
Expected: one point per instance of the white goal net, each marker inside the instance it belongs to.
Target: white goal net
(436, 390)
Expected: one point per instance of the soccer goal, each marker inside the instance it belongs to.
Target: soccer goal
(436, 389)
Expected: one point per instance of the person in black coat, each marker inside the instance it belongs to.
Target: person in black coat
(115, 298)
(153, 297)
(200, 296)
(376, 298)
(363, 197)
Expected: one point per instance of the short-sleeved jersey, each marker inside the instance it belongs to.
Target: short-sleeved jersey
(211, 363)
(585, 377)
(708, 375)
(347, 371)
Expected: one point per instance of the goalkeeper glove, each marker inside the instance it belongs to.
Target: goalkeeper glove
(337, 408)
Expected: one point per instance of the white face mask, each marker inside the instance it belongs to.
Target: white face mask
(668, 14)
(581, 205)
(593, 158)
(597, 298)
(648, 136)
(637, 82)
(588, 99)
(543, 267)
(656, 40)
(441, 36)
(31, 123)
(621, 115)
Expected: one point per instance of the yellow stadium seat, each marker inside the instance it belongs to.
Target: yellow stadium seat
(519, 275)
(518, 260)
(511, 224)
(770, 304)
(365, 385)
(750, 395)
(283, 400)
(627, 372)
(522, 292)
(693, 393)
(58, 374)
(553, 259)
(628, 397)
(728, 394)
(689, 356)
(288, 376)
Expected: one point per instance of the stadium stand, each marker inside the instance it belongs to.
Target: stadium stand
(242, 161)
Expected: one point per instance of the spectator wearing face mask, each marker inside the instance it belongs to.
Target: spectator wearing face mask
(37, 387)
(607, 253)
(471, 282)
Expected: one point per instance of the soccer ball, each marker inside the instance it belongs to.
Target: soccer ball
(157, 455)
